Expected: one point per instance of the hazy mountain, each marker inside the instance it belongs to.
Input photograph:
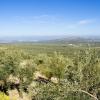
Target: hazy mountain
(53, 39)
(75, 39)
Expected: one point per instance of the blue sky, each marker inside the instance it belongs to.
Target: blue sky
(49, 17)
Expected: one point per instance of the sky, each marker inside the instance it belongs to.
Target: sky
(49, 17)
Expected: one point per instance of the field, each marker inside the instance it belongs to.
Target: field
(50, 71)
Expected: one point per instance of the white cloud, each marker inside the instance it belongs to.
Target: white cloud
(72, 26)
(84, 22)
(39, 19)
(80, 23)
(41, 16)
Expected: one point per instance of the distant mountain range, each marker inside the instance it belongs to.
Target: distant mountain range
(74, 39)
(11, 39)
(52, 39)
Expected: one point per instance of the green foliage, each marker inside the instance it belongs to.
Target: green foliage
(26, 73)
(76, 69)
